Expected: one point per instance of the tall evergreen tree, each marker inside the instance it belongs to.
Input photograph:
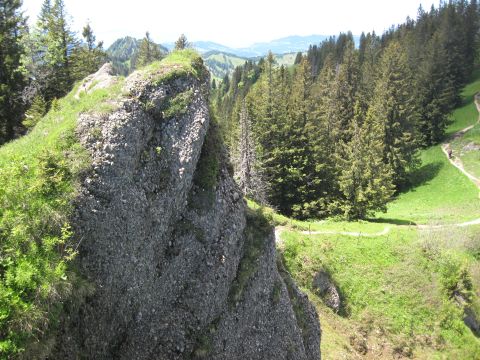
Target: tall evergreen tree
(49, 52)
(365, 180)
(88, 57)
(393, 105)
(12, 81)
(435, 93)
(148, 52)
(182, 43)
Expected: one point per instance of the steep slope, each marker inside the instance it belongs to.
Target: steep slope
(180, 268)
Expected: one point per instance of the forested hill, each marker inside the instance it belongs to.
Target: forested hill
(124, 52)
(340, 134)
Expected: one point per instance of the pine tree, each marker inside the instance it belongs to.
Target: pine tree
(365, 180)
(88, 58)
(148, 52)
(471, 26)
(49, 52)
(370, 56)
(434, 91)
(12, 81)
(301, 181)
(324, 133)
(393, 105)
(182, 43)
(346, 88)
(61, 43)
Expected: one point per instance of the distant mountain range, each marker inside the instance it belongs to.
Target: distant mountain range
(284, 45)
(220, 59)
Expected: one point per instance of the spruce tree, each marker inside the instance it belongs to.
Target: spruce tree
(324, 133)
(49, 52)
(182, 43)
(365, 181)
(301, 181)
(12, 81)
(393, 105)
(88, 57)
(148, 52)
(346, 88)
(435, 91)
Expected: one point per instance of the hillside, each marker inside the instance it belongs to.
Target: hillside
(127, 237)
(220, 64)
(124, 51)
(408, 282)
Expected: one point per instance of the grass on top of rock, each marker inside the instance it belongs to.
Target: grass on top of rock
(178, 63)
(38, 173)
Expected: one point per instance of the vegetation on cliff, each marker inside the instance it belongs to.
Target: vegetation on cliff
(40, 173)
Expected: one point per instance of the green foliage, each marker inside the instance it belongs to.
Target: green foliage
(35, 113)
(403, 83)
(148, 52)
(38, 174)
(87, 58)
(182, 43)
(408, 287)
(178, 105)
(393, 106)
(49, 51)
(12, 80)
(365, 180)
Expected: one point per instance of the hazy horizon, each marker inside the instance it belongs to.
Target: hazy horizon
(232, 25)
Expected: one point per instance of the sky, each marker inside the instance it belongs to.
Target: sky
(235, 24)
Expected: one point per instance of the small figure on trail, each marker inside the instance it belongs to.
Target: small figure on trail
(449, 152)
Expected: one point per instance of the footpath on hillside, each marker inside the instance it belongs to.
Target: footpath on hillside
(454, 160)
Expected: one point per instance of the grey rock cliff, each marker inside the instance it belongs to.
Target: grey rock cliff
(181, 269)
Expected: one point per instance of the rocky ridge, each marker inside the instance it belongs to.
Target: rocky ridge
(181, 269)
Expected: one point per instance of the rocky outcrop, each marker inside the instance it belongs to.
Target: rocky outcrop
(326, 289)
(181, 269)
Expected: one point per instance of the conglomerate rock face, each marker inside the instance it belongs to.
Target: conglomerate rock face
(180, 268)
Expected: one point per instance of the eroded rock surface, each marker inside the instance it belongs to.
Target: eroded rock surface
(181, 269)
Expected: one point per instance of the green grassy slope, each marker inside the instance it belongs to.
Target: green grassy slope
(220, 64)
(466, 114)
(443, 194)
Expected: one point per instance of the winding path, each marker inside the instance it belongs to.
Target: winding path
(455, 161)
